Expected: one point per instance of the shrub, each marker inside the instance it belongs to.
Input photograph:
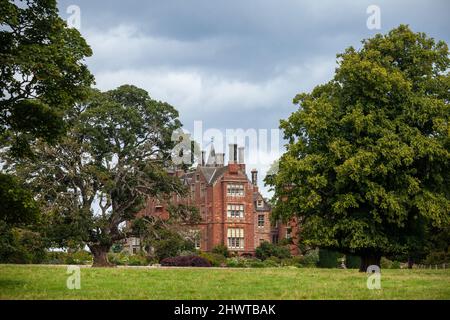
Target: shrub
(234, 263)
(297, 261)
(272, 263)
(188, 253)
(310, 259)
(274, 260)
(216, 260)
(61, 257)
(137, 260)
(78, 257)
(385, 263)
(237, 262)
(185, 261)
(171, 245)
(117, 248)
(222, 250)
(256, 264)
(437, 258)
(329, 259)
(125, 259)
(21, 246)
(266, 250)
(56, 257)
(119, 259)
(352, 262)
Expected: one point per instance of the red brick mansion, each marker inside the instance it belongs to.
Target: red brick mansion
(233, 211)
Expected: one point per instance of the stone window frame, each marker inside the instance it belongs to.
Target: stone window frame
(263, 220)
(236, 238)
(231, 213)
(235, 189)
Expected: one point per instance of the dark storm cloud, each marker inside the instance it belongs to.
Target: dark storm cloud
(249, 40)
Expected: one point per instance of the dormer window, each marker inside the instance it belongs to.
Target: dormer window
(260, 203)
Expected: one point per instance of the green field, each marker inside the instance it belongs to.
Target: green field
(49, 282)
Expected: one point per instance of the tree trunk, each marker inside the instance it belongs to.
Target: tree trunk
(100, 253)
(369, 260)
(410, 262)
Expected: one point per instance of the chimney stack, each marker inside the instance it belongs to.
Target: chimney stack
(241, 155)
(233, 153)
(220, 157)
(203, 158)
(255, 177)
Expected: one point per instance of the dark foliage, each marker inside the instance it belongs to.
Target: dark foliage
(185, 261)
(266, 250)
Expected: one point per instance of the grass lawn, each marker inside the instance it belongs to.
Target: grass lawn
(49, 282)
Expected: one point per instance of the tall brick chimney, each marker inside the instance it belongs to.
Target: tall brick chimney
(203, 158)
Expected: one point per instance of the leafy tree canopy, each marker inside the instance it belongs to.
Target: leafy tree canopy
(15, 198)
(42, 72)
(116, 154)
(367, 161)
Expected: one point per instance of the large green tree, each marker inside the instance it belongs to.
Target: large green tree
(17, 210)
(367, 162)
(115, 155)
(42, 74)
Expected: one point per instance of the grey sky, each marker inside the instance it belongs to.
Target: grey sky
(234, 64)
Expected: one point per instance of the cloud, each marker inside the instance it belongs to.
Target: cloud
(235, 64)
(200, 94)
(126, 45)
(119, 56)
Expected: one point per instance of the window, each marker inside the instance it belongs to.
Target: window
(197, 243)
(202, 190)
(135, 241)
(235, 211)
(197, 177)
(275, 239)
(260, 203)
(203, 213)
(260, 220)
(192, 191)
(288, 232)
(235, 190)
(235, 238)
(195, 237)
